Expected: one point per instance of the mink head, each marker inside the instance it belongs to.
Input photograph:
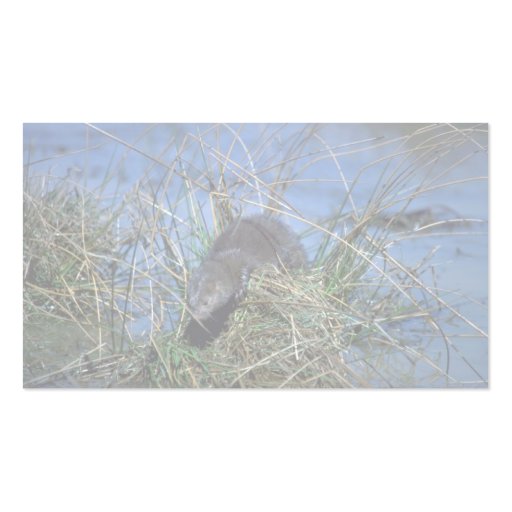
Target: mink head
(211, 287)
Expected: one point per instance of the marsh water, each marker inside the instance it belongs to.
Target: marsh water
(448, 221)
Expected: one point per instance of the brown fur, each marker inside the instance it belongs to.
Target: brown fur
(246, 244)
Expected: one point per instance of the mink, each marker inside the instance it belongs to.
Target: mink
(219, 283)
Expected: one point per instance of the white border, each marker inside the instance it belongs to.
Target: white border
(236, 61)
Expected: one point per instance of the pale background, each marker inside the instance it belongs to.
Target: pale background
(362, 61)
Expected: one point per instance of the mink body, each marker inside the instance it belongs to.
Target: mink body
(219, 283)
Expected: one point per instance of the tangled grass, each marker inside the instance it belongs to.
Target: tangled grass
(105, 286)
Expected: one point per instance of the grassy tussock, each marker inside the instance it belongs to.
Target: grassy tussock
(65, 237)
